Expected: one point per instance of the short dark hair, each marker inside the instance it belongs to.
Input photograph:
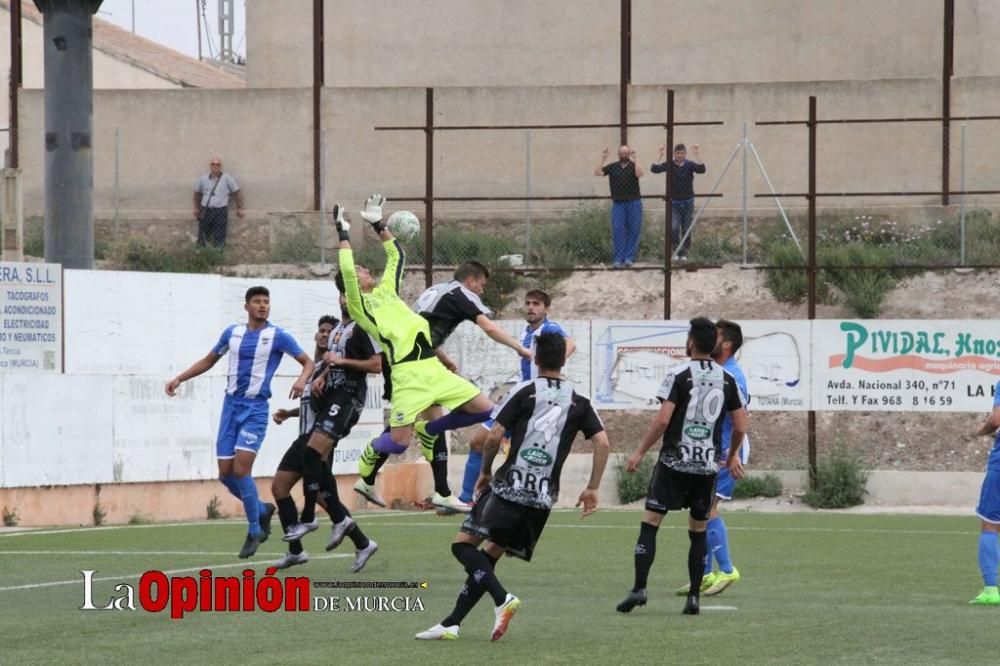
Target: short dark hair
(328, 319)
(471, 269)
(256, 291)
(550, 351)
(539, 295)
(703, 334)
(680, 146)
(731, 332)
(338, 280)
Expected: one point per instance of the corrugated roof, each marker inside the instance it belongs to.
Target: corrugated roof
(148, 55)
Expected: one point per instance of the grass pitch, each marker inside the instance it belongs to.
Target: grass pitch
(817, 588)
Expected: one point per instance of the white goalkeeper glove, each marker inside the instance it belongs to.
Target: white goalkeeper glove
(341, 223)
(372, 212)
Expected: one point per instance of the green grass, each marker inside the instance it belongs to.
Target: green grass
(816, 588)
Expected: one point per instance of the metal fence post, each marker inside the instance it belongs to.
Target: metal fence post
(322, 196)
(812, 272)
(527, 196)
(429, 190)
(743, 192)
(117, 163)
(961, 200)
(668, 249)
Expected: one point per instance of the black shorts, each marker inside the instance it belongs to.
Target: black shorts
(294, 458)
(339, 416)
(514, 527)
(670, 490)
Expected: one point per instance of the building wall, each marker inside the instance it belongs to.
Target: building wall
(265, 139)
(389, 43)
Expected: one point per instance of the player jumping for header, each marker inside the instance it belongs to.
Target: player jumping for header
(419, 380)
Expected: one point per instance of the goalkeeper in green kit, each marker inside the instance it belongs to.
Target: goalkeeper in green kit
(419, 380)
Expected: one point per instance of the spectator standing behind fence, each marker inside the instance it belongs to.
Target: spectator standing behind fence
(682, 191)
(211, 203)
(626, 207)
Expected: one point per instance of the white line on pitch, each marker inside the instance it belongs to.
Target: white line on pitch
(719, 608)
(115, 552)
(75, 581)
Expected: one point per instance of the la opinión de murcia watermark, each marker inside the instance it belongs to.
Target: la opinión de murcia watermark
(157, 592)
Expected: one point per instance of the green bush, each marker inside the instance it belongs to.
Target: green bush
(10, 517)
(863, 290)
(787, 284)
(840, 480)
(136, 255)
(34, 240)
(633, 486)
(300, 246)
(768, 485)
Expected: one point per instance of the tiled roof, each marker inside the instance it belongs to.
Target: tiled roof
(148, 55)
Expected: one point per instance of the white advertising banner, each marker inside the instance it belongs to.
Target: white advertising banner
(905, 365)
(631, 358)
(31, 335)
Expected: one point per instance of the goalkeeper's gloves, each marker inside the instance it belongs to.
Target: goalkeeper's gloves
(372, 212)
(340, 221)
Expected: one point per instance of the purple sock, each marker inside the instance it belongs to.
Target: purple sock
(455, 420)
(384, 444)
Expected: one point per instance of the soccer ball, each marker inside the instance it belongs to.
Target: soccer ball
(404, 225)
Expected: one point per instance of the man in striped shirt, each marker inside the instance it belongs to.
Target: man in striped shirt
(254, 352)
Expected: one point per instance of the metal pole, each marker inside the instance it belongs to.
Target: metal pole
(774, 193)
(133, 17)
(117, 163)
(69, 128)
(743, 191)
(527, 196)
(949, 69)
(322, 197)
(16, 75)
(626, 69)
(812, 272)
(668, 207)
(197, 16)
(429, 190)
(961, 200)
(317, 110)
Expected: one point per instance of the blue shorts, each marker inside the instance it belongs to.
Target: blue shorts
(241, 427)
(989, 498)
(724, 481)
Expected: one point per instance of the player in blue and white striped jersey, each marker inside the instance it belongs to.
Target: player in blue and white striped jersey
(254, 351)
(536, 314)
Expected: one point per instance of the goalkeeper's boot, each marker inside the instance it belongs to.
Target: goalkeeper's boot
(634, 598)
(722, 581)
(990, 596)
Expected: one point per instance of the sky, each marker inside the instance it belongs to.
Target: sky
(173, 23)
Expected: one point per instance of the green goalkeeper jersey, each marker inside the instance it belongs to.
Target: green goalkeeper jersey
(403, 334)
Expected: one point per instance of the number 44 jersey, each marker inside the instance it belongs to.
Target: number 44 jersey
(544, 416)
(702, 392)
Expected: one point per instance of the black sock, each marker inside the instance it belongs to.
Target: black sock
(645, 553)
(439, 466)
(288, 514)
(357, 537)
(370, 479)
(480, 569)
(313, 472)
(696, 560)
(331, 499)
(470, 595)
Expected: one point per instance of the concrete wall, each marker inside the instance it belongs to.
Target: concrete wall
(109, 72)
(555, 42)
(265, 140)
